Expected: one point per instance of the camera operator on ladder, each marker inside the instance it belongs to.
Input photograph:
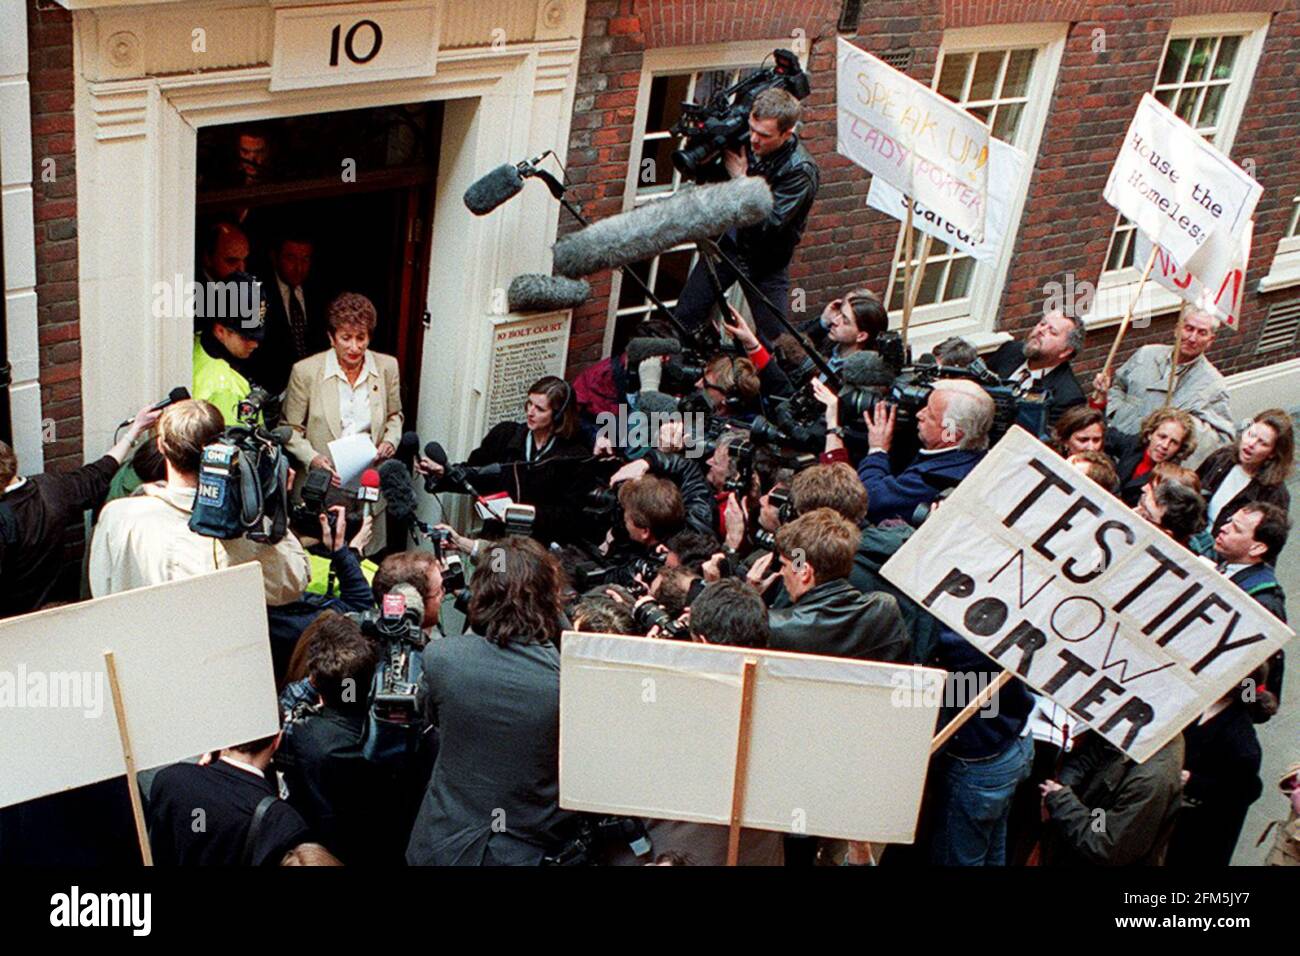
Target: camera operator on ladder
(763, 251)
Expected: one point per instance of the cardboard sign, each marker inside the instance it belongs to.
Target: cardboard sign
(1176, 187)
(1006, 170)
(1218, 283)
(194, 663)
(839, 747)
(916, 140)
(1057, 580)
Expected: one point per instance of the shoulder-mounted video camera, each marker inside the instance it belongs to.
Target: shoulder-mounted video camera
(243, 486)
(723, 122)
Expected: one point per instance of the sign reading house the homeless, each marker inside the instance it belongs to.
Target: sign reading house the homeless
(1059, 582)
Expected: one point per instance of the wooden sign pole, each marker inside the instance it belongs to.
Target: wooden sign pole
(742, 759)
(1173, 364)
(967, 712)
(1128, 315)
(907, 276)
(128, 757)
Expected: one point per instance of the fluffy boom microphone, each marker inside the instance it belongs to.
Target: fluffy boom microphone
(531, 292)
(693, 213)
(490, 191)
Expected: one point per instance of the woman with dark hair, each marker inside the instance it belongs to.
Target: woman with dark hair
(494, 695)
(1079, 429)
(1167, 434)
(1253, 468)
(548, 434)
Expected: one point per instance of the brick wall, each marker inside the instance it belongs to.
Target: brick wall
(55, 209)
(1066, 226)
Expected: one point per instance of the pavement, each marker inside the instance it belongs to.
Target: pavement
(1279, 739)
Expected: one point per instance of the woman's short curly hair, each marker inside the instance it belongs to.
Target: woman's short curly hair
(351, 310)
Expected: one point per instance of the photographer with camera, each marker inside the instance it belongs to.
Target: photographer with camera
(773, 151)
(828, 615)
(146, 539)
(330, 782)
(494, 695)
(953, 429)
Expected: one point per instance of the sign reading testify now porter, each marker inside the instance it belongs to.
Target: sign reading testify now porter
(1059, 582)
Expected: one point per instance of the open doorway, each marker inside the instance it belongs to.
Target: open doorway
(352, 189)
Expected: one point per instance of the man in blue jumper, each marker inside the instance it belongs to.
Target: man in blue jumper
(953, 429)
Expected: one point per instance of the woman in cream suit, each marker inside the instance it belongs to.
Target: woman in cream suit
(345, 390)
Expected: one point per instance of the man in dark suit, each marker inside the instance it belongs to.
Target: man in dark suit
(225, 813)
(1042, 362)
(295, 327)
(954, 432)
(1247, 547)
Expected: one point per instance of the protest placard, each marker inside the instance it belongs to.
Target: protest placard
(1176, 187)
(1006, 169)
(1058, 581)
(913, 138)
(194, 666)
(836, 747)
(1219, 281)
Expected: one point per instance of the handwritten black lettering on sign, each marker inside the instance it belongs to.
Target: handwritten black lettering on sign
(1058, 581)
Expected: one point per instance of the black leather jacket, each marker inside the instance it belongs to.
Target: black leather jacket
(793, 175)
(838, 620)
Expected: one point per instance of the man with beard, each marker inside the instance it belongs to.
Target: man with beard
(1042, 362)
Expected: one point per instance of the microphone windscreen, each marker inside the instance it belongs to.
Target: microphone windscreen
(691, 214)
(866, 370)
(178, 394)
(408, 446)
(538, 293)
(282, 435)
(435, 453)
(652, 402)
(638, 350)
(395, 484)
(490, 191)
(370, 478)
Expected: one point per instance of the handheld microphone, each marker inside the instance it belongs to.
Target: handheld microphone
(369, 491)
(396, 486)
(178, 394)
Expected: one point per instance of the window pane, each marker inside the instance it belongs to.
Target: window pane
(982, 112)
(710, 84)
(1016, 82)
(1175, 56)
(655, 173)
(1199, 64)
(673, 269)
(1227, 56)
(1007, 123)
(959, 276)
(952, 76)
(1186, 108)
(929, 291)
(1210, 108)
(1166, 97)
(1119, 256)
(985, 82)
(630, 293)
(666, 95)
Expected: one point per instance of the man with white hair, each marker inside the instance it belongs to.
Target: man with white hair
(1142, 385)
(954, 431)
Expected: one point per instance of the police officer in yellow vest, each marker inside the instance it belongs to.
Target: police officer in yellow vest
(231, 333)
